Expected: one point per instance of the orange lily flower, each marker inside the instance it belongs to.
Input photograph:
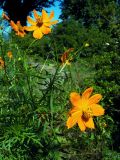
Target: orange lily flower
(2, 63)
(65, 57)
(41, 24)
(18, 28)
(84, 108)
(9, 54)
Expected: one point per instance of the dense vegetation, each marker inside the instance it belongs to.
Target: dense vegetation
(35, 86)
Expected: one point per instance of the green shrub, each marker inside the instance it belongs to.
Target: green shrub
(107, 79)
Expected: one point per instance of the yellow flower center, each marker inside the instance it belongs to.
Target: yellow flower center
(39, 22)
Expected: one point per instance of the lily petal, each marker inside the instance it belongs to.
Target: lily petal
(97, 110)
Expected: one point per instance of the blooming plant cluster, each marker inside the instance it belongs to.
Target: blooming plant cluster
(40, 26)
(35, 107)
(84, 107)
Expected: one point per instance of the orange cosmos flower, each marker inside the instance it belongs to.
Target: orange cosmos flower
(41, 24)
(84, 108)
(9, 54)
(4, 16)
(65, 58)
(2, 63)
(18, 28)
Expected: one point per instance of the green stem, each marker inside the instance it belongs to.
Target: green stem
(44, 65)
(30, 91)
(31, 44)
(50, 85)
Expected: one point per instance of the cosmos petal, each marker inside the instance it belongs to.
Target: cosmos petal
(35, 14)
(18, 23)
(72, 120)
(97, 110)
(45, 16)
(14, 26)
(86, 94)
(31, 21)
(51, 15)
(30, 28)
(20, 34)
(64, 57)
(37, 34)
(95, 99)
(48, 24)
(45, 30)
(90, 123)
(81, 124)
(54, 22)
(4, 16)
(73, 110)
(75, 99)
